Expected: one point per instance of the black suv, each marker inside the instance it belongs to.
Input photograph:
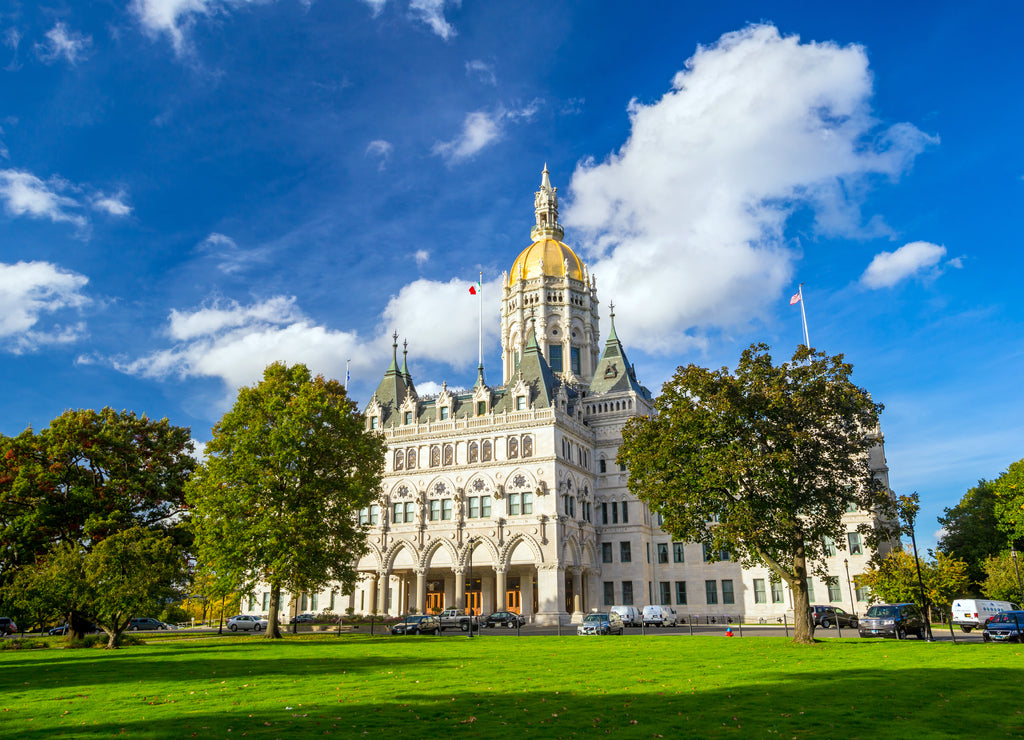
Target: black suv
(892, 620)
(827, 616)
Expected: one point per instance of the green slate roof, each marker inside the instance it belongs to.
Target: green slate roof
(614, 372)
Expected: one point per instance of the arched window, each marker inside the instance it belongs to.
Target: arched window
(486, 451)
(527, 446)
(513, 448)
(474, 452)
(399, 460)
(435, 456)
(449, 454)
(410, 458)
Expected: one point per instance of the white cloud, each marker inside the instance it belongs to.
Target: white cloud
(175, 17)
(687, 220)
(12, 39)
(24, 194)
(234, 343)
(115, 205)
(482, 71)
(28, 290)
(480, 129)
(62, 43)
(889, 268)
(421, 257)
(376, 6)
(431, 12)
(230, 257)
(382, 150)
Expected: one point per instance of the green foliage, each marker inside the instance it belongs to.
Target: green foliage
(1009, 504)
(19, 643)
(762, 462)
(286, 471)
(82, 481)
(894, 579)
(1001, 578)
(972, 532)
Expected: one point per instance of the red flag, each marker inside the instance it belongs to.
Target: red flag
(795, 299)
(474, 289)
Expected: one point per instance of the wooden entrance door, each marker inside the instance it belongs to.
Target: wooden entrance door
(435, 602)
(513, 596)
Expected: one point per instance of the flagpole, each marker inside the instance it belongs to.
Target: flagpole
(803, 315)
(347, 363)
(480, 304)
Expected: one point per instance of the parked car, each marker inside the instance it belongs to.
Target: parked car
(1005, 626)
(63, 629)
(145, 623)
(892, 620)
(826, 616)
(247, 622)
(7, 626)
(659, 616)
(972, 613)
(301, 618)
(601, 623)
(504, 619)
(631, 616)
(416, 624)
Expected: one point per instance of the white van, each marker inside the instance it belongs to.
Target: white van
(631, 616)
(971, 613)
(661, 616)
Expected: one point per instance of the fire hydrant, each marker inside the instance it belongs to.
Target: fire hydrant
(728, 631)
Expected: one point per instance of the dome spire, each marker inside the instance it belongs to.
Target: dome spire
(545, 209)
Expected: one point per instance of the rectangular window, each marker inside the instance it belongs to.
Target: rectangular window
(266, 601)
(677, 553)
(446, 509)
(863, 593)
(606, 552)
(252, 603)
(627, 593)
(625, 513)
(776, 592)
(485, 506)
(334, 595)
(728, 595)
(396, 514)
(760, 595)
(601, 465)
(555, 358)
(855, 546)
(681, 593)
(574, 355)
(835, 594)
(513, 504)
(711, 591)
(410, 512)
(709, 554)
(851, 507)
(408, 417)
(810, 589)
(648, 552)
(435, 509)
(625, 553)
(666, 593)
(609, 593)
(314, 599)
(604, 513)
(520, 403)
(481, 408)
(527, 503)
(830, 546)
(374, 514)
(662, 552)
(474, 507)
(444, 413)
(615, 512)
(364, 516)
(374, 420)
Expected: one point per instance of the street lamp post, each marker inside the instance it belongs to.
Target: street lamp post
(1016, 569)
(471, 541)
(849, 585)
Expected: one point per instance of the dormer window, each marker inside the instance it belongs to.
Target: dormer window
(481, 408)
(520, 403)
(444, 413)
(408, 417)
(374, 421)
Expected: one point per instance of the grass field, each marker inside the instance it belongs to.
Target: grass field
(508, 687)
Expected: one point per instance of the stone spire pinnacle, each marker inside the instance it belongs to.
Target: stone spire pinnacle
(545, 209)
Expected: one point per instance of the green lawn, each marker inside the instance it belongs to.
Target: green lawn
(504, 686)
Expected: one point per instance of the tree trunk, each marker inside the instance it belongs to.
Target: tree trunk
(77, 625)
(273, 620)
(803, 623)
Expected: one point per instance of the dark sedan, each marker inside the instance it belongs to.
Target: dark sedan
(1004, 627)
(416, 624)
(829, 616)
(505, 619)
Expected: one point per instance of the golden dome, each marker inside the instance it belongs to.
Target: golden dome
(546, 257)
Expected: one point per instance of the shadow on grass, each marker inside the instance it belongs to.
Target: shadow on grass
(856, 704)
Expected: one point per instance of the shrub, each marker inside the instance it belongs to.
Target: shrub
(20, 643)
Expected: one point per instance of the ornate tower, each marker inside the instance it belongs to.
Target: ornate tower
(550, 285)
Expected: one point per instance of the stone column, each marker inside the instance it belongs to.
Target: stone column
(460, 588)
(500, 602)
(526, 594)
(551, 593)
(577, 590)
(371, 597)
(383, 584)
(421, 592)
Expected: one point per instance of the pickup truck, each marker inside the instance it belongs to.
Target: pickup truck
(458, 619)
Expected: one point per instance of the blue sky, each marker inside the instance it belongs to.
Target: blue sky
(191, 189)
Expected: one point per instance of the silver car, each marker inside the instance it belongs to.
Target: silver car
(247, 622)
(601, 623)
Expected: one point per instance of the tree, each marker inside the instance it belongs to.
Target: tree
(1009, 504)
(1001, 578)
(762, 462)
(894, 579)
(276, 500)
(972, 532)
(87, 477)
